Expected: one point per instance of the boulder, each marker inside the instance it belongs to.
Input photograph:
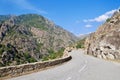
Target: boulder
(106, 39)
(110, 56)
(99, 56)
(103, 56)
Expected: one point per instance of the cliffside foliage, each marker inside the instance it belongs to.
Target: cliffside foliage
(29, 38)
(80, 44)
(52, 54)
(108, 20)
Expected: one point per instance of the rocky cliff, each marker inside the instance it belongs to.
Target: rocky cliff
(105, 42)
(26, 38)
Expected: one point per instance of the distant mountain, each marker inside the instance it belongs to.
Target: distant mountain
(82, 36)
(105, 42)
(26, 38)
(4, 17)
(81, 40)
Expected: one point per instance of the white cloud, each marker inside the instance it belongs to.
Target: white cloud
(101, 18)
(88, 26)
(26, 5)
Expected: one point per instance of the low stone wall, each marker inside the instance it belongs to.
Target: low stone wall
(11, 71)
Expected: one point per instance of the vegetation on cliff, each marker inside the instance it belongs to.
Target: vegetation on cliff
(80, 43)
(29, 38)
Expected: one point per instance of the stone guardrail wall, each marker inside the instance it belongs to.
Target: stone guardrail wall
(12, 71)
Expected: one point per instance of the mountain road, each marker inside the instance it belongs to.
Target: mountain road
(81, 67)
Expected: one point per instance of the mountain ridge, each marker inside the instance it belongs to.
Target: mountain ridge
(26, 38)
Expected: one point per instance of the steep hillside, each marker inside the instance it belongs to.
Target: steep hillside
(4, 17)
(26, 38)
(105, 42)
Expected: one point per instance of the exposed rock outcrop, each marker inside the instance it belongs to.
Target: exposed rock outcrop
(105, 42)
(30, 37)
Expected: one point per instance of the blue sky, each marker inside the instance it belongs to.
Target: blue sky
(76, 16)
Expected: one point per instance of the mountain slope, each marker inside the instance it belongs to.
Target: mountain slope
(26, 38)
(105, 42)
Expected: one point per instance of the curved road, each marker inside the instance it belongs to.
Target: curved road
(81, 67)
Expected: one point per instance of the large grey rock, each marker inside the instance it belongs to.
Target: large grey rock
(99, 56)
(104, 56)
(106, 39)
(110, 56)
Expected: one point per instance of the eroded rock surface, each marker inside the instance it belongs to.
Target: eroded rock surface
(105, 42)
(27, 38)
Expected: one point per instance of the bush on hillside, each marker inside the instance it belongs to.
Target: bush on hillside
(80, 44)
(53, 55)
(108, 20)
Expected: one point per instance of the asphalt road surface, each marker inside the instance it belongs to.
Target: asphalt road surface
(81, 67)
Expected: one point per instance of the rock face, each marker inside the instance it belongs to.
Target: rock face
(105, 42)
(26, 38)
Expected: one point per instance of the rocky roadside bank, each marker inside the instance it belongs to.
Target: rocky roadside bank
(105, 42)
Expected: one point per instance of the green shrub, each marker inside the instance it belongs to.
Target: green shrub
(40, 45)
(51, 51)
(32, 60)
(26, 55)
(29, 58)
(80, 44)
(53, 55)
(45, 58)
(108, 20)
